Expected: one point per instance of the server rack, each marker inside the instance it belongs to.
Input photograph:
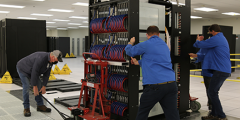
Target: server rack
(180, 48)
(21, 38)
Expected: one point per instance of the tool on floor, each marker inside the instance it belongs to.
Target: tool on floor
(64, 116)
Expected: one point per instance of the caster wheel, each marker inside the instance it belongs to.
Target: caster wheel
(195, 106)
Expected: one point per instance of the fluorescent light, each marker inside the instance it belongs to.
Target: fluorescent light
(74, 24)
(78, 17)
(206, 9)
(36, 14)
(80, 3)
(51, 26)
(38, 0)
(85, 21)
(60, 10)
(83, 26)
(4, 12)
(62, 28)
(26, 18)
(73, 27)
(60, 20)
(231, 13)
(175, 3)
(51, 22)
(11, 6)
(194, 17)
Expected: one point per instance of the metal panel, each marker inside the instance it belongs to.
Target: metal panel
(73, 45)
(83, 45)
(78, 47)
(157, 16)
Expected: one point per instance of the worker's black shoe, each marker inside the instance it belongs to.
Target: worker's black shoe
(209, 117)
(27, 112)
(222, 119)
(43, 108)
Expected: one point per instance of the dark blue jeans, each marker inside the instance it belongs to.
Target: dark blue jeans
(26, 85)
(216, 82)
(165, 94)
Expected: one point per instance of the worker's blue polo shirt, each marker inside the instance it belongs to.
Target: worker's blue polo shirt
(156, 61)
(200, 57)
(218, 53)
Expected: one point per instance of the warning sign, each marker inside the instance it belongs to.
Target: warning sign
(68, 68)
(52, 77)
(72, 55)
(51, 72)
(6, 78)
(67, 55)
(65, 71)
(56, 70)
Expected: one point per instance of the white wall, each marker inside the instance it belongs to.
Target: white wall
(79, 33)
(196, 24)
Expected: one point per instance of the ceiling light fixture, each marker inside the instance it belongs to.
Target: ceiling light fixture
(11, 6)
(175, 3)
(81, 4)
(60, 20)
(78, 17)
(26, 18)
(206, 9)
(74, 24)
(51, 26)
(51, 22)
(37, 14)
(4, 12)
(60, 10)
(62, 28)
(73, 27)
(231, 13)
(83, 26)
(85, 21)
(195, 17)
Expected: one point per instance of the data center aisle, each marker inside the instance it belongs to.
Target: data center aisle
(11, 107)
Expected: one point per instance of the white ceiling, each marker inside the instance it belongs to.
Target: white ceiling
(42, 8)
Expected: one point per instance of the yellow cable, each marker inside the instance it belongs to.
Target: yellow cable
(235, 59)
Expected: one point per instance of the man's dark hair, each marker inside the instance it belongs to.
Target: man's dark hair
(214, 27)
(153, 30)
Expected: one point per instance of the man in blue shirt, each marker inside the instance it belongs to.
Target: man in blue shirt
(158, 76)
(207, 75)
(31, 67)
(217, 59)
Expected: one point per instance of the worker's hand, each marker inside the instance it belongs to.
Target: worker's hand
(134, 61)
(35, 90)
(43, 90)
(132, 41)
(200, 38)
(193, 55)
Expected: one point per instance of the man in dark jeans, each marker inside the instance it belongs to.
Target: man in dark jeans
(207, 75)
(217, 60)
(158, 76)
(31, 67)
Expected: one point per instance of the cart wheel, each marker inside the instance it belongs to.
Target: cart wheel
(195, 106)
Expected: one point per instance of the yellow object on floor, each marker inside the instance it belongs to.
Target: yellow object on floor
(65, 71)
(6, 78)
(202, 82)
(67, 55)
(56, 70)
(238, 77)
(68, 68)
(52, 77)
(72, 55)
(51, 72)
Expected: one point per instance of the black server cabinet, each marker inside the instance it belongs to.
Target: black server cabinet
(228, 33)
(22, 37)
(59, 43)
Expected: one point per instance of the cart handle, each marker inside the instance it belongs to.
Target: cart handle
(86, 53)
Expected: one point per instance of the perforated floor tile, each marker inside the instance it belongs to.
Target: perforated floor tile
(7, 117)
(2, 113)
(34, 116)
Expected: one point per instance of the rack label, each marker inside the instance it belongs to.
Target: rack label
(90, 84)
